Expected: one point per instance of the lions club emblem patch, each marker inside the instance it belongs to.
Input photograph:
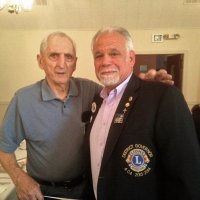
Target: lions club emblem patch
(137, 158)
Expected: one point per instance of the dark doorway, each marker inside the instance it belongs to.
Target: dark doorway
(173, 63)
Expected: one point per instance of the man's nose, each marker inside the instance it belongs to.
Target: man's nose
(61, 61)
(106, 60)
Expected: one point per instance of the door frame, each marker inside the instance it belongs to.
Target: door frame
(185, 62)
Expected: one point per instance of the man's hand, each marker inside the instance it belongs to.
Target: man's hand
(27, 188)
(160, 75)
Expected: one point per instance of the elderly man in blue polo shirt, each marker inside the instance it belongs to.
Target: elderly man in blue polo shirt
(48, 115)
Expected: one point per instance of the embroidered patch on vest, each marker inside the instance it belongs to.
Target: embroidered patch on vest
(137, 158)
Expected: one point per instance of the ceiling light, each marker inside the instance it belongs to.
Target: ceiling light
(16, 6)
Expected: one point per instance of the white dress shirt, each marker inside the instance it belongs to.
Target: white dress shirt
(101, 126)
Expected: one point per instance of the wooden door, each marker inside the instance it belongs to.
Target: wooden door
(174, 67)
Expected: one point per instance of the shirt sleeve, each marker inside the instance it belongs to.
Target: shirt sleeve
(11, 132)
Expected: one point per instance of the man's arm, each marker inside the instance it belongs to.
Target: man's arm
(160, 75)
(178, 147)
(26, 187)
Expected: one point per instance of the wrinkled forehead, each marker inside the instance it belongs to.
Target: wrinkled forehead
(60, 44)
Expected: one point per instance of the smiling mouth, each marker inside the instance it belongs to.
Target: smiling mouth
(108, 73)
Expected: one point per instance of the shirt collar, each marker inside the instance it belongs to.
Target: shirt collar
(47, 93)
(116, 90)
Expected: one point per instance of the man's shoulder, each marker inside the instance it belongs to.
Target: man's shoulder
(159, 90)
(26, 90)
(154, 87)
(84, 82)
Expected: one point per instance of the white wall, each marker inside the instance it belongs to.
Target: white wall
(18, 66)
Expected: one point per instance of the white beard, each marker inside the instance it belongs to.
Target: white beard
(109, 80)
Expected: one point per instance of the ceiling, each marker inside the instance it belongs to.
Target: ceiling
(93, 14)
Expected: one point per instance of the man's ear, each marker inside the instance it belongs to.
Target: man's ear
(39, 60)
(132, 58)
(75, 63)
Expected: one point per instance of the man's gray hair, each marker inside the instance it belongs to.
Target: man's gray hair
(113, 29)
(44, 42)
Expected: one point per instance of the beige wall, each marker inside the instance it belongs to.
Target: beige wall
(18, 66)
(187, 44)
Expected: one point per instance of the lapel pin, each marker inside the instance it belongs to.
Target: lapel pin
(119, 118)
(94, 106)
(124, 110)
(127, 105)
(130, 98)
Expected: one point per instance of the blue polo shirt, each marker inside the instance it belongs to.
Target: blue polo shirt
(53, 129)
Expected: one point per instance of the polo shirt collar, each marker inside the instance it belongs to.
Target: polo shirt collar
(47, 93)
